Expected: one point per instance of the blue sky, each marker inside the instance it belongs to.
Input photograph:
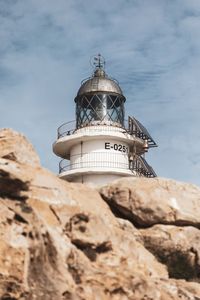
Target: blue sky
(152, 47)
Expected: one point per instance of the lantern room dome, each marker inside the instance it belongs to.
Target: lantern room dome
(99, 99)
(99, 82)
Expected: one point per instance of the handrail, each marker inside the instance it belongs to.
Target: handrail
(138, 164)
(66, 129)
(64, 166)
(134, 126)
(70, 127)
(139, 131)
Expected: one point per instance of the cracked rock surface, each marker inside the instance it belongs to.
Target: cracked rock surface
(61, 240)
(177, 247)
(146, 202)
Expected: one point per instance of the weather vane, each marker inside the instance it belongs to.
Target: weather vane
(98, 61)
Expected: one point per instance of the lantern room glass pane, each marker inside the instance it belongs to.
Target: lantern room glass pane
(99, 107)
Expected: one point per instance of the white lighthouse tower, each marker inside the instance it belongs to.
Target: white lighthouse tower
(100, 146)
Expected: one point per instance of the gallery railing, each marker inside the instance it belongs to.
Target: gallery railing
(132, 127)
(138, 164)
(67, 166)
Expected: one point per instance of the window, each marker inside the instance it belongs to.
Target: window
(99, 107)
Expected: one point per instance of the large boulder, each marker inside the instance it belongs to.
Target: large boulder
(56, 251)
(61, 240)
(146, 202)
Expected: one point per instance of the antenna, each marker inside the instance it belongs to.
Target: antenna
(98, 61)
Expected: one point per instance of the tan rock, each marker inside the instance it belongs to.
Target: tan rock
(177, 247)
(150, 201)
(48, 245)
(60, 240)
(107, 244)
(192, 287)
(128, 227)
(14, 146)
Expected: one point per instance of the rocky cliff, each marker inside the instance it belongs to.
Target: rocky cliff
(133, 239)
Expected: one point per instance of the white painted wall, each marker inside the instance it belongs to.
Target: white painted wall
(97, 180)
(98, 154)
(105, 152)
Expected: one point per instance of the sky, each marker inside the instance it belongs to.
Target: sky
(152, 47)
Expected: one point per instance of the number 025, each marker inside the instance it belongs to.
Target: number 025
(116, 147)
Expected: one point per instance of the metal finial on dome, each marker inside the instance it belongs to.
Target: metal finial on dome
(99, 81)
(98, 61)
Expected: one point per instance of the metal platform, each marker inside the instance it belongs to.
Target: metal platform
(131, 126)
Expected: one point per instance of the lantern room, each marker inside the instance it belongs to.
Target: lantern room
(98, 100)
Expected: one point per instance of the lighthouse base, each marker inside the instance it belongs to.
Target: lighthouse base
(96, 178)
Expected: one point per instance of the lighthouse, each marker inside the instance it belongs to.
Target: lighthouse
(102, 145)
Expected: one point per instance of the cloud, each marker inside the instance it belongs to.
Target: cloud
(152, 47)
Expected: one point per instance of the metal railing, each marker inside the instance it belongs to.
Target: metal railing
(66, 129)
(70, 127)
(65, 165)
(138, 164)
(138, 130)
(95, 159)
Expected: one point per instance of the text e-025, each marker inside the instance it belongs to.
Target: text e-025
(116, 147)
